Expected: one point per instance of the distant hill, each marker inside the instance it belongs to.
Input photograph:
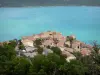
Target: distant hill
(21, 3)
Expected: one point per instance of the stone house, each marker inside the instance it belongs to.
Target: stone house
(48, 43)
(67, 44)
(27, 42)
(76, 45)
(69, 50)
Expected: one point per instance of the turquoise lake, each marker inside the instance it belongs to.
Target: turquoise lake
(82, 21)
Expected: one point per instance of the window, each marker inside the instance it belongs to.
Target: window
(50, 34)
(78, 47)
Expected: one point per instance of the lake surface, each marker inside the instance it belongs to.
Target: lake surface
(82, 21)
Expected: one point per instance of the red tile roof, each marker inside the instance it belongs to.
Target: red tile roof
(85, 52)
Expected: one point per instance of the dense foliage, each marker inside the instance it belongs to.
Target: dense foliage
(38, 42)
(52, 64)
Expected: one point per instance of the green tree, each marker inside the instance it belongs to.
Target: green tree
(55, 62)
(74, 67)
(21, 66)
(7, 51)
(94, 65)
(36, 61)
(12, 43)
(32, 70)
(7, 54)
(96, 47)
(56, 50)
(21, 47)
(42, 72)
(38, 42)
(39, 50)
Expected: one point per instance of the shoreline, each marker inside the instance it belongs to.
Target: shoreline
(48, 6)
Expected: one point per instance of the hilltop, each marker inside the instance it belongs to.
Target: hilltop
(47, 40)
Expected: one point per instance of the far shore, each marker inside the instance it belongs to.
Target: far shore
(49, 6)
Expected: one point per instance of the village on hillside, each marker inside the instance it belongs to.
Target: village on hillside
(67, 44)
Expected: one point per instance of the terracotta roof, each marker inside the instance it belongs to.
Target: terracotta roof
(85, 52)
(61, 44)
